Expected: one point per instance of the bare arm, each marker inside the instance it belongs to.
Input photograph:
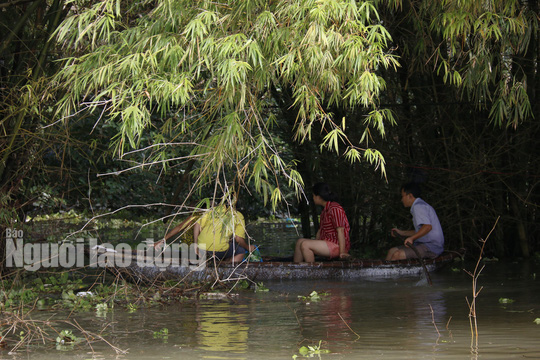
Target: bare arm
(173, 232)
(183, 225)
(341, 240)
(416, 235)
(196, 232)
(399, 232)
(242, 242)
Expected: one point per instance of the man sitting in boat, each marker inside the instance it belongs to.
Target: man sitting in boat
(427, 237)
(221, 232)
(332, 239)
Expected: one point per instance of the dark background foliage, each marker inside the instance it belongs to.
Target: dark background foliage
(473, 169)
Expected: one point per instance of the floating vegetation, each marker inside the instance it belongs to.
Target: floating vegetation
(19, 330)
(310, 351)
(259, 287)
(162, 334)
(102, 309)
(66, 340)
(313, 296)
(505, 301)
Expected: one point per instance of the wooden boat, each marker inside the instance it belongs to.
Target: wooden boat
(139, 266)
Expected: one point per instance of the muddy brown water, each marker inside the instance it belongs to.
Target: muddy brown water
(385, 318)
(392, 318)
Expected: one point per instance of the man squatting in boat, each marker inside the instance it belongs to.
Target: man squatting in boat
(332, 239)
(220, 231)
(427, 236)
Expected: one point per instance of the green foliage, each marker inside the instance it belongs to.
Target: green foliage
(276, 96)
(7, 213)
(102, 309)
(26, 99)
(66, 340)
(242, 284)
(310, 351)
(312, 297)
(13, 298)
(214, 82)
(254, 256)
(481, 41)
(57, 291)
(66, 336)
(259, 287)
(162, 334)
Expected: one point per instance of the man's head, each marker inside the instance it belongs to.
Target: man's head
(409, 193)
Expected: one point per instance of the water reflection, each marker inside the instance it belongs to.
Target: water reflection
(390, 319)
(376, 315)
(386, 319)
(222, 328)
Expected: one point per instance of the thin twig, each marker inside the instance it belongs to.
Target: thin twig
(447, 327)
(433, 321)
(354, 332)
(472, 305)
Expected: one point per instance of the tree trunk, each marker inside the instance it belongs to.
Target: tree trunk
(520, 227)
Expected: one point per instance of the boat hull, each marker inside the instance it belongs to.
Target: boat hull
(139, 267)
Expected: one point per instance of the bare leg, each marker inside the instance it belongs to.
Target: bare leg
(309, 248)
(298, 257)
(391, 253)
(242, 242)
(237, 258)
(396, 254)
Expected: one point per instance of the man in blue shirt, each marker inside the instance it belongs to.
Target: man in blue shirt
(427, 236)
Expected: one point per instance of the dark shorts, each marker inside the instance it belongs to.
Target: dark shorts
(234, 249)
(422, 249)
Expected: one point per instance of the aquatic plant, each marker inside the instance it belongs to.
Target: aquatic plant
(505, 301)
(102, 307)
(310, 351)
(313, 296)
(162, 334)
(242, 284)
(66, 336)
(259, 287)
(20, 330)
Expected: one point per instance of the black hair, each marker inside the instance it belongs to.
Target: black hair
(323, 190)
(412, 188)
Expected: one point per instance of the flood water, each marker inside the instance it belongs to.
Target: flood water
(388, 318)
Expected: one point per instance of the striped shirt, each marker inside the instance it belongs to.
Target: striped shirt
(332, 217)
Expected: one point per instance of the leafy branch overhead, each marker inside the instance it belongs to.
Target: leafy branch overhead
(223, 77)
(211, 68)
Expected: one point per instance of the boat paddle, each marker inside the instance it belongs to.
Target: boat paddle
(418, 256)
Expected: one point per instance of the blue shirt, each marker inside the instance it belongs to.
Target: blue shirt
(424, 214)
